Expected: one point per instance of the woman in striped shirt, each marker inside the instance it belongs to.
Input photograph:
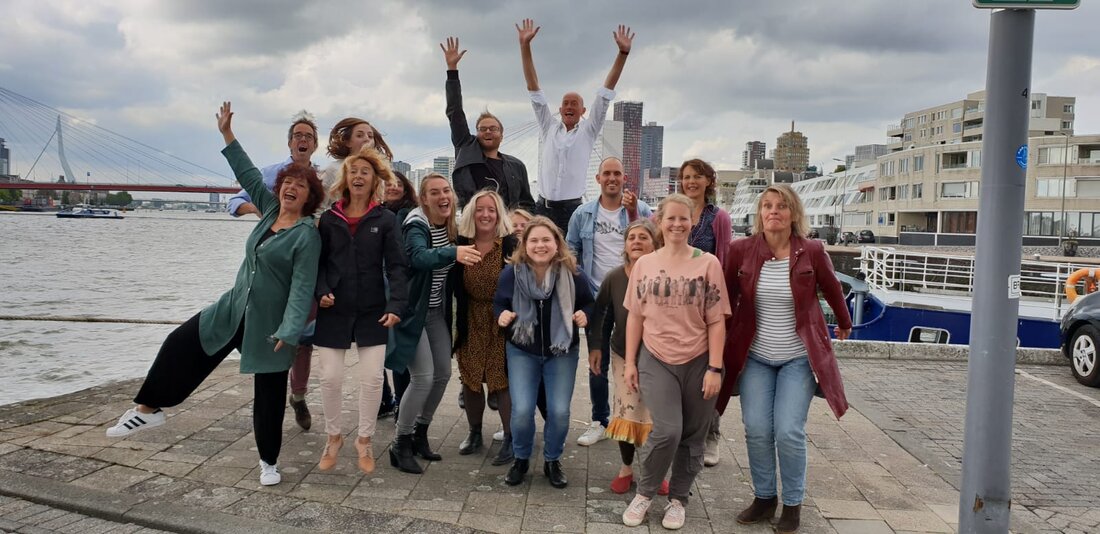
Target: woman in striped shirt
(779, 352)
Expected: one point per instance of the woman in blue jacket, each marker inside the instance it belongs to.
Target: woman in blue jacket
(360, 248)
(262, 316)
(543, 300)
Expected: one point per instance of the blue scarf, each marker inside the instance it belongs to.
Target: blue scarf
(529, 291)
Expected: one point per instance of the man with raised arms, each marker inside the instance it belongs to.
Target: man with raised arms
(567, 143)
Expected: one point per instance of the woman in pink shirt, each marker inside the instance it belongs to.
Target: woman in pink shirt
(675, 333)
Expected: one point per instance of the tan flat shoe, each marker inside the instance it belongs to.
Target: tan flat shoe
(366, 456)
(332, 449)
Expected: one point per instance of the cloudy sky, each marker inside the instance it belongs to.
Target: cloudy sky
(716, 73)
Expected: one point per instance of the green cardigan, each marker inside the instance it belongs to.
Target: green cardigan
(274, 284)
(423, 259)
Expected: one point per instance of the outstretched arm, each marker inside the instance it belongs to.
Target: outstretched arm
(527, 32)
(623, 39)
(460, 130)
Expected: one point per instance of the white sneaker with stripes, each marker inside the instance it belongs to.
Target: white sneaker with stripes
(133, 421)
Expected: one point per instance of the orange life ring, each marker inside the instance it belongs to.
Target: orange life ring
(1089, 275)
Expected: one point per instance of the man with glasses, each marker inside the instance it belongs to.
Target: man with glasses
(302, 141)
(567, 143)
(479, 164)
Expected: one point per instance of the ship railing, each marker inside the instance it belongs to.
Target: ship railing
(888, 269)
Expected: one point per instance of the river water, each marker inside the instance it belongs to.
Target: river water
(152, 265)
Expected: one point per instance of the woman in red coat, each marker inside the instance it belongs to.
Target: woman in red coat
(779, 352)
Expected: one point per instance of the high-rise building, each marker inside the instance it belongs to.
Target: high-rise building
(866, 154)
(402, 167)
(443, 165)
(659, 183)
(653, 145)
(754, 151)
(792, 151)
(630, 115)
(609, 144)
(5, 156)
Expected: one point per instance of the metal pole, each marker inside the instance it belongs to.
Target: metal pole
(1065, 164)
(985, 495)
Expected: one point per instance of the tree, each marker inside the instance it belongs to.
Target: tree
(10, 195)
(65, 198)
(840, 168)
(119, 199)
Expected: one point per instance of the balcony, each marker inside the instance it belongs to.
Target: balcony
(894, 130)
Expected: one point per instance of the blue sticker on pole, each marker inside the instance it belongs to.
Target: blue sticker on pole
(1021, 156)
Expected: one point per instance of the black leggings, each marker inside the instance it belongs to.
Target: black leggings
(182, 365)
(626, 451)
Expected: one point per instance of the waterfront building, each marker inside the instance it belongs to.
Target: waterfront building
(5, 159)
(865, 155)
(630, 115)
(754, 152)
(792, 151)
(658, 183)
(653, 146)
(402, 167)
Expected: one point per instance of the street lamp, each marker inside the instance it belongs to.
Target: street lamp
(1065, 165)
(839, 221)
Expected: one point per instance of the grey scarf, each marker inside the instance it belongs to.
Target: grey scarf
(529, 291)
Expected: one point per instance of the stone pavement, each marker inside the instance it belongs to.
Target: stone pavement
(198, 473)
(17, 515)
(1056, 433)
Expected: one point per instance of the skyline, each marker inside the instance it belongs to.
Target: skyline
(715, 77)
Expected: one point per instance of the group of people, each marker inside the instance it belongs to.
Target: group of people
(676, 314)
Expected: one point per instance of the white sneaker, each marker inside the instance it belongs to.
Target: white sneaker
(596, 432)
(498, 435)
(269, 474)
(712, 452)
(133, 420)
(674, 515)
(636, 512)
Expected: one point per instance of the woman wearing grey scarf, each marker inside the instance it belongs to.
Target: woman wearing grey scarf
(542, 300)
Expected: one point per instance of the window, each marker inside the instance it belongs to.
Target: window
(1054, 154)
(956, 113)
(918, 191)
(1052, 187)
(1067, 108)
(903, 165)
(954, 160)
(959, 189)
(960, 222)
(903, 192)
(957, 127)
(975, 159)
(1036, 104)
(1067, 125)
(918, 163)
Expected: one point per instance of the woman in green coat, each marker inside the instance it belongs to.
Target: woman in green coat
(262, 316)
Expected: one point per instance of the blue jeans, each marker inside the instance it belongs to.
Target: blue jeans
(559, 373)
(598, 388)
(775, 401)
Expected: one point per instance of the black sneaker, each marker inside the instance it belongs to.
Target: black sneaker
(517, 472)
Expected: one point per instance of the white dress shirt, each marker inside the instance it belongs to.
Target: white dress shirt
(563, 166)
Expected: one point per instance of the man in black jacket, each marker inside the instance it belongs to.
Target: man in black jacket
(479, 164)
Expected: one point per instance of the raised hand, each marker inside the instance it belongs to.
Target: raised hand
(623, 38)
(528, 32)
(629, 201)
(451, 54)
(225, 121)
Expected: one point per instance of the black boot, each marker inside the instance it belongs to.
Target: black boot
(789, 519)
(759, 510)
(504, 455)
(401, 455)
(553, 471)
(517, 472)
(420, 444)
(473, 442)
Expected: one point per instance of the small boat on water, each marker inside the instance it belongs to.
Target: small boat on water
(89, 213)
(917, 297)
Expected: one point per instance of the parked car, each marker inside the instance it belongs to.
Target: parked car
(847, 238)
(866, 236)
(1081, 338)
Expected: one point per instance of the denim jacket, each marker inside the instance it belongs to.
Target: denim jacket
(582, 231)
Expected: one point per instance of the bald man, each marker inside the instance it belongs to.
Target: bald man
(567, 143)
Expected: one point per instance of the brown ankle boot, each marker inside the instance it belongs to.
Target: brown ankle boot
(789, 519)
(759, 510)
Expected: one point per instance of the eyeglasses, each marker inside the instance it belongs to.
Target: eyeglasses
(492, 129)
(299, 136)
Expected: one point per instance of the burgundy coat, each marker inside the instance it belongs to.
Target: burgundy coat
(811, 269)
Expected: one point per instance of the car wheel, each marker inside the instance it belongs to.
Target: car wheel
(1083, 355)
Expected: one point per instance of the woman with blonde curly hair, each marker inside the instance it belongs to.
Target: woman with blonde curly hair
(543, 300)
(360, 246)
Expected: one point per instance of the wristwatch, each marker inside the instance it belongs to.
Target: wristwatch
(714, 369)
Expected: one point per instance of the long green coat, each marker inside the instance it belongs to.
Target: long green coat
(274, 288)
(423, 259)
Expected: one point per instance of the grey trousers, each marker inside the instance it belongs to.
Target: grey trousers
(681, 421)
(429, 372)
